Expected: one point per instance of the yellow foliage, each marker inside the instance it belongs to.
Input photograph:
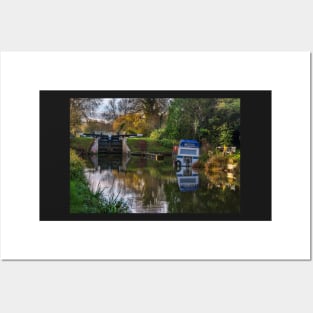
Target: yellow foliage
(134, 122)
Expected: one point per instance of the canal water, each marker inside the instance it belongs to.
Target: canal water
(150, 186)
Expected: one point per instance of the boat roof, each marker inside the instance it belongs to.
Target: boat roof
(189, 142)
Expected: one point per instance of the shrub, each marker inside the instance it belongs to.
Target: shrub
(113, 204)
(236, 157)
(76, 166)
(168, 143)
(157, 133)
(216, 163)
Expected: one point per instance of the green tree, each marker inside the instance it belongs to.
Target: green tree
(187, 116)
(225, 135)
(215, 119)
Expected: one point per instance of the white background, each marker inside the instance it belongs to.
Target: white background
(287, 74)
(151, 286)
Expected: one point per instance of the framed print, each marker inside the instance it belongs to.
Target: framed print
(155, 155)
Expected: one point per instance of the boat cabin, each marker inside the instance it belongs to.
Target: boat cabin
(187, 153)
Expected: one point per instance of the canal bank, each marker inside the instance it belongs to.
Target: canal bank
(85, 200)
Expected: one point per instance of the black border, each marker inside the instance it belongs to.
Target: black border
(255, 197)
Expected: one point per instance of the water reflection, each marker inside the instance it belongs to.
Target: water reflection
(187, 179)
(149, 186)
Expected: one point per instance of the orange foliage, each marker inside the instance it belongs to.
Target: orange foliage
(130, 123)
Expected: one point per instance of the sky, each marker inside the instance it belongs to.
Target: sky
(97, 114)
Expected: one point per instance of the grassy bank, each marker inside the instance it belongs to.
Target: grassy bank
(81, 145)
(82, 199)
(150, 145)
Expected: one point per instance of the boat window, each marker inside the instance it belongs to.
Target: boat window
(188, 151)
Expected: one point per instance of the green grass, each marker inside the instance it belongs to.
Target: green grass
(153, 146)
(81, 144)
(82, 199)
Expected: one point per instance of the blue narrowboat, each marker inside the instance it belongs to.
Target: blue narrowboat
(187, 152)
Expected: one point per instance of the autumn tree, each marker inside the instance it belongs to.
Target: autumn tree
(154, 110)
(126, 106)
(130, 123)
(92, 126)
(111, 110)
(151, 111)
(80, 110)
